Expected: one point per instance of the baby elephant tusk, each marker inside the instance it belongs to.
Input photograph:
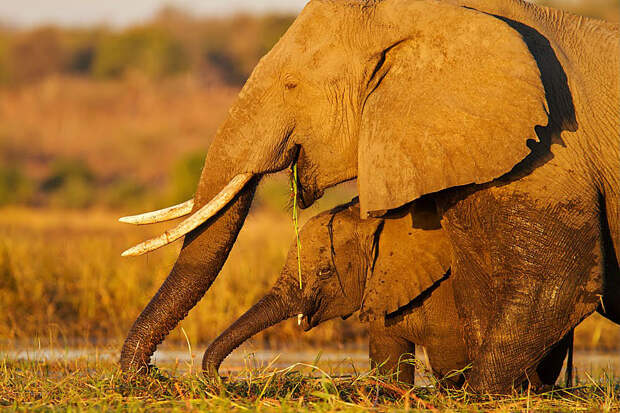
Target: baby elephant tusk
(299, 317)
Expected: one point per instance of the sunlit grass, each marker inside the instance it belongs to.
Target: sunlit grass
(62, 278)
(99, 385)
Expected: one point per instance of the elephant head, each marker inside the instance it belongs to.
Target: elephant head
(347, 264)
(400, 94)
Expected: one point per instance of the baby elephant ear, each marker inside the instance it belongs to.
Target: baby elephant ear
(409, 261)
(453, 101)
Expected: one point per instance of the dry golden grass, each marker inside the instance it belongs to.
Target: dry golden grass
(61, 277)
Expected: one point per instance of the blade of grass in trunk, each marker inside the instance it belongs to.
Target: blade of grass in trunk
(296, 219)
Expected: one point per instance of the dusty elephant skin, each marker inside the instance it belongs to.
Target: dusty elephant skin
(348, 265)
(503, 111)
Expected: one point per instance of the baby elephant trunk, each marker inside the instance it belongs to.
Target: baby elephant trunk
(269, 311)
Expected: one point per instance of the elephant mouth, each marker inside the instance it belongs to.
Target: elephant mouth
(307, 195)
(309, 321)
(313, 316)
(307, 190)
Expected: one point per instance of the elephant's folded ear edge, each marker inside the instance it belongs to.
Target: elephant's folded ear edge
(409, 262)
(458, 105)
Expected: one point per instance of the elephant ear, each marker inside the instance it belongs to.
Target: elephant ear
(409, 261)
(453, 99)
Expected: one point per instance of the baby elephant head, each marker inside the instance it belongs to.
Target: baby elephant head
(337, 253)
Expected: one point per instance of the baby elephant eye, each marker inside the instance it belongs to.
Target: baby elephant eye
(325, 272)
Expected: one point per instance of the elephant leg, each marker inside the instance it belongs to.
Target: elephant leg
(388, 352)
(516, 342)
(610, 301)
(550, 367)
(524, 277)
(569, 360)
(609, 305)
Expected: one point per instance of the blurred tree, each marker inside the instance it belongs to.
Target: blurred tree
(123, 192)
(232, 47)
(272, 28)
(4, 59)
(149, 50)
(36, 54)
(15, 187)
(185, 176)
(70, 184)
(82, 60)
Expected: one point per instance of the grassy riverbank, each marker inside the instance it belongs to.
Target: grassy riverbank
(98, 386)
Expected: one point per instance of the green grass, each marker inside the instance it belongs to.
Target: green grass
(85, 385)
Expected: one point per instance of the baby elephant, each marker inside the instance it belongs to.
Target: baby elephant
(395, 271)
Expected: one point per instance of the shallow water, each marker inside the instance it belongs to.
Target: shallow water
(335, 362)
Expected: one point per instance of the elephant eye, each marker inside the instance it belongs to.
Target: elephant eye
(290, 81)
(325, 272)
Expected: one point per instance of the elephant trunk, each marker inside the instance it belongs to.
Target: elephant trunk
(204, 252)
(269, 311)
(243, 147)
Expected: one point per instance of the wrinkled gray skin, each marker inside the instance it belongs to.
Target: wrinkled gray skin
(342, 258)
(504, 111)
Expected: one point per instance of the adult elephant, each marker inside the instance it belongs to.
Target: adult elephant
(505, 112)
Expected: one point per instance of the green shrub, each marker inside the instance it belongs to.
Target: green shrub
(123, 193)
(36, 54)
(232, 47)
(15, 187)
(272, 27)
(149, 50)
(70, 184)
(4, 60)
(80, 47)
(185, 176)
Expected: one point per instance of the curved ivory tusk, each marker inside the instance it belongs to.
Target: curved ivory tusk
(161, 215)
(199, 217)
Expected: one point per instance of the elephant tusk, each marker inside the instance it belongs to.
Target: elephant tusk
(194, 221)
(161, 215)
(299, 318)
